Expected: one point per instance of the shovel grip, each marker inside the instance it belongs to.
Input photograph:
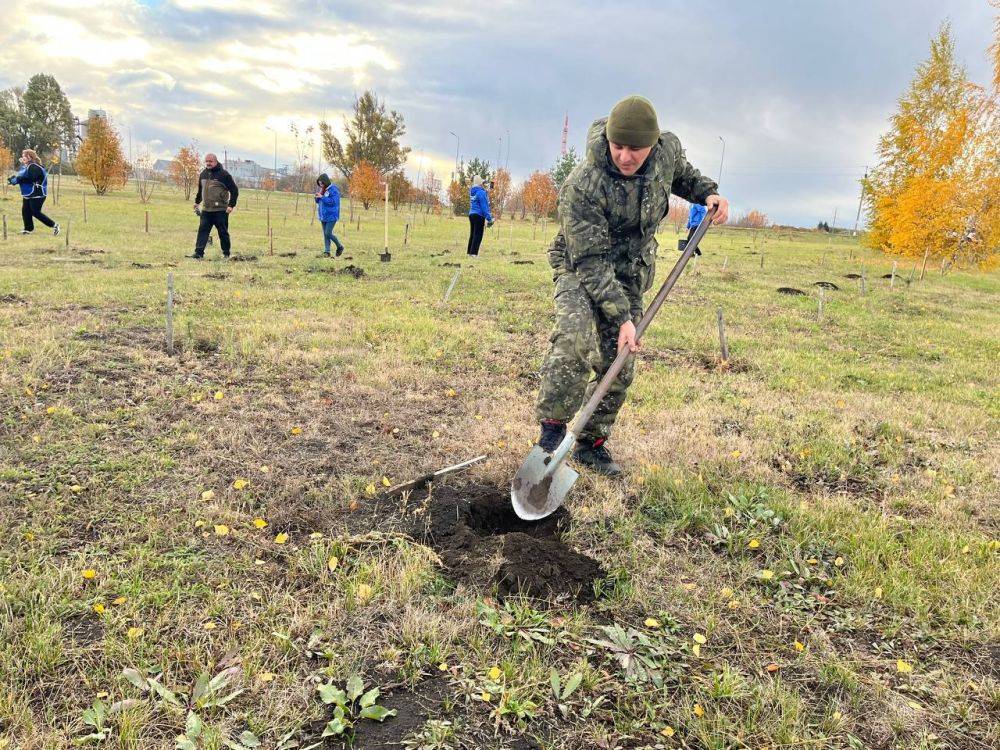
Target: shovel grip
(647, 317)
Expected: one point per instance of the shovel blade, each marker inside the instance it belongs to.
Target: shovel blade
(537, 489)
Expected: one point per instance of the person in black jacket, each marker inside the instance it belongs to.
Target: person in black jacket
(216, 199)
(33, 181)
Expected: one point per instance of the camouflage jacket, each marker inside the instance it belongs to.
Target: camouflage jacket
(606, 240)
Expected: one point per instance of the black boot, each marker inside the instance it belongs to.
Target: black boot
(595, 456)
(553, 432)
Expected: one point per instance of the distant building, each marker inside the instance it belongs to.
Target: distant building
(162, 166)
(247, 171)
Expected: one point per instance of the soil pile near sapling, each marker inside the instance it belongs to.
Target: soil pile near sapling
(482, 541)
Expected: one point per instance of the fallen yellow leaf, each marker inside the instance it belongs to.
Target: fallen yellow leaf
(443, 667)
(386, 482)
(281, 538)
(331, 564)
(265, 469)
(729, 513)
(699, 638)
(364, 592)
(260, 523)
(209, 625)
(667, 731)
(487, 697)
(89, 573)
(76, 489)
(207, 495)
(754, 544)
(219, 395)
(119, 601)
(878, 592)
(736, 454)
(767, 575)
(99, 608)
(726, 592)
(698, 710)
(316, 535)
(199, 523)
(652, 622)
(221, 529)
(903, 667)
(370, 489)
(914, 705)
(494, 673)
(241, 484)
(838, 562)
(696, 649)
(134, 633)
(296, 430)
(799, 646)
(265, 676)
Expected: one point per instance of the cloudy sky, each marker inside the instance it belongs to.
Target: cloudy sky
(799, 90)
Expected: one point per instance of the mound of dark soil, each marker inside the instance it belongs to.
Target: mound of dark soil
(473, 527)
(826, 285)
(242, 258)
(854, 276)
(287, 255)
(451, 265)
(141, 265)
(354, 271)
(790, 290)
(523, 262)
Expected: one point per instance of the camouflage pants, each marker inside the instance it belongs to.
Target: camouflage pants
(583, 346)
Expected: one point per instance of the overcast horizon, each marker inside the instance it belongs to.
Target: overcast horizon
(800, 92)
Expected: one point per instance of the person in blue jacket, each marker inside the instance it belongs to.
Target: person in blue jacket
(479, 214)
(328, 202)
(33, 181)
(695, 216)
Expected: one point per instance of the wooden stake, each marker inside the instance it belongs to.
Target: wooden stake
(406, 233)
(864, 283)
(68, 221)
(84, 208)
(147, 222)
(386, 216)
(819, 312)
(5, 227)
(924, 266)
(892, 279)
(912, 271)
(270, 235)
(762, 259)
(725, 262)
(723, 344)
(170, 313)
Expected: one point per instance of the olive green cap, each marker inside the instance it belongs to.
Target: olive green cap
(632, 122)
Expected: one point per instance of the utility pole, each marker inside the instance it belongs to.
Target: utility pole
(274, 175)
(506, 166)
(723, 159)
(861, 200)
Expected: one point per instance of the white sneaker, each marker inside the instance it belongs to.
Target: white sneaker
(55, 230)
(27, 231)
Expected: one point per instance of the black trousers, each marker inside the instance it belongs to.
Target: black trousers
(477, 224)
(209, 219)
(31, 209)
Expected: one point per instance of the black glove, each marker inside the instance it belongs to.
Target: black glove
(489, 223)
(12, 180)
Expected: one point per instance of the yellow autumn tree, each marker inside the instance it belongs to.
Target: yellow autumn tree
(100, 159)
(539, 194)
(6, 163)
(185, 168)
(365, 184)
(932, 190)
(500, 194)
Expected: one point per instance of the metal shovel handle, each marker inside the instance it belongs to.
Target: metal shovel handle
(601, 391)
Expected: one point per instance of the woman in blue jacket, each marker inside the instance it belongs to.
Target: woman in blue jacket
(328, 201)
(479, 214)
(33, 181)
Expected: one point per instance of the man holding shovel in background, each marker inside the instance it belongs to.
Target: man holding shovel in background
(604, 260)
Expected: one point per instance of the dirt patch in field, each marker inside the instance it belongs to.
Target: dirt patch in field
(790, 290)
(481, 540)
(412, 707)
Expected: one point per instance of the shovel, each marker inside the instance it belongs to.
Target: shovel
(541, 484)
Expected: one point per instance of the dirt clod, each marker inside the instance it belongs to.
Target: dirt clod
(474, 526)
(354, 271)
(790, 290)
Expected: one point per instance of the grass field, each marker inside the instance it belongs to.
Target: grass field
(804, 552)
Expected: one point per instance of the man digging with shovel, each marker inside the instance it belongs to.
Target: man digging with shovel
(604, 260)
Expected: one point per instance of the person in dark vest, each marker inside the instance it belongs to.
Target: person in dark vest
(479, 215)
(216, 199)
(328, 204)
(33, 181)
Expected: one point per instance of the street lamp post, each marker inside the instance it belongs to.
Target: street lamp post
(719, 181)
(274, 176)
(458, 143)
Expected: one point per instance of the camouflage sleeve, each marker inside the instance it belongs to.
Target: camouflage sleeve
(689, 183)
(588, 243)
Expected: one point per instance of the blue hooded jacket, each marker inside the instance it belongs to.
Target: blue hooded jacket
(479, 203)
(33, 181)
(696, 215)
(329, 204)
